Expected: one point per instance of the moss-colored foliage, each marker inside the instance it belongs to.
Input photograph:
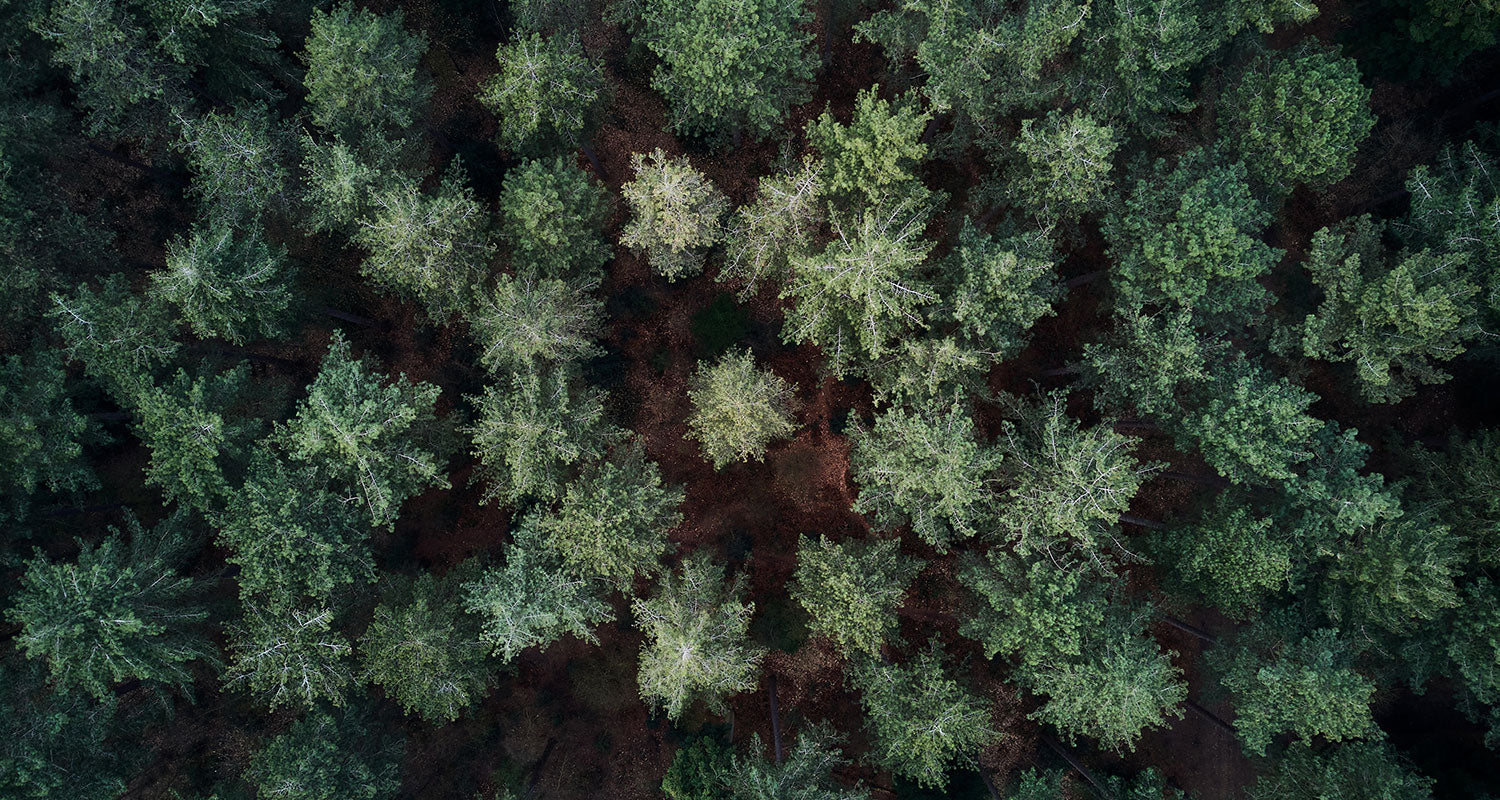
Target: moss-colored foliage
(121, 337)
(1148, 362)
(424, 651)
(120, 610)
(1002, 285)
(762, 237)
(1298, 116)
(1351, 771)
(696, 770)
(533, 435)
(527, 322)
(42, 435)
(53, 745)
(547, 93)
(376, 438)
(1397, 574)
(532, 600)
(874, 158)
(925, 467)
(1284, 679)
(1251, 425)
(289, 657)
(851, 589)
(363, 72)
(1231, 556)
(551, 220)
(1392, 315)
(239, 163)
(327, 757)
(1034, 611)
(613, 520)
(696, 639)
(227, 284)
(919, 718)
(728, 65)
(1063, 164)
(193, 435)
(676, 214)
(738, 409)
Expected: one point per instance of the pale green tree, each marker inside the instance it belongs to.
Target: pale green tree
(738, 409)
(675, 214)
(874, 158)
(851, 589)
(1063, 164)
(762, 237)
(525, 321)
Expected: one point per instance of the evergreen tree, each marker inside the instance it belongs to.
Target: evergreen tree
(806, 774)
(42, 436)
(1392, 316)
(226, 283)
(424, 651)
(363, 72)
(119, 611)
(377, 439)
(239, 163)
(675, 214)
(551, 219)
(1397, 574)
(322, 757)
(873, 159)
(1463, 483)
(120, 337)
(1251, 425)
(435, 249)
(851, 589)
(738, 410)
(56, 745)
(1063, 163)
(925, 467)
(920, 720)
(1232, 556)
(763, 237)
(531, 437)
(696, 639)
(1034, 611)
(192, 435)
(1002, 285)
(1148, 362)
(1351, 771)
(1455, 208)
(547, 93)
(728, 65)
(527, 321)
(339, 181)
(532, 601)
(613, 520)
(289, 657)
(1472, 650)
(1298, 116)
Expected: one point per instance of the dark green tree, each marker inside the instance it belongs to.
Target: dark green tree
(1463, 482)
(239, 163)
(1251, 425)
(120, 610)
(1472, 649)
(193, 435)
(227, 283)
(1034, 611)
(1148, 362)
(290, 657)
(1455, 208)
(805, 774)
(1232, 556)
(57, 745)
(323, 757)
(424, 651)
(1397, 574)
(852, 589)
(548, 92)
(1001, 286)
(121, 337)
(926, 467)
(42, 435)
(1349, 771)
(364, 73)
(376, 438)
(551, 220)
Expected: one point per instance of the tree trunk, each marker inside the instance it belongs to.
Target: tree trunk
(1205, 480)
(536, 771)
(1213, 718)
(347, 317)
(593, 158)
(1060, 371)
(1190, 629)
(111, 416)
(1142, 522)
(1084, 279)
(775, 721)
(1082, 770)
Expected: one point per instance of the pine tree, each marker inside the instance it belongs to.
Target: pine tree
(120, 610)
(289, 657)
(851, 589)
(42, 435)
(1397, 574)
(806, 774)
(1063, 165)
(763, 237)
(227, 283)
(696, 639)
(675, 214)
(120, 337)
(323, 757)
(363, 72)
(239, 163)
(548, 93)
(738, 410)
(1231, 555)
(925, 467)
(1034, 611)
(525, 322)
(1251, 426)
(872, 160)
(192, 434)
(552, 217)
(1455, 208)
(1148, 362)
(56, 745)
(424, 651)
(1002, 285)
(1352, 770)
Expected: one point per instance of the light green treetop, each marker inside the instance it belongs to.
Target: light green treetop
(852, 589)
(738, 409)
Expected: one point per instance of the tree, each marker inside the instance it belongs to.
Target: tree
(1298, 116)
(1455, 205)
(322, 757)
(1463, 483)
(1389, 315)
(378, 438)
(1397, 574)
(42, 436)
(108, 56)
(291, 537)
(526, 322)
(226, 283)
(851, 589)
(613, 520)
(863, 292)
(339, 181)
(192, 436)
(363, 72)
(1232, 556)
(1352, 771)
(1472, 650)
(872, 160)
(675, 214)
(531, 437)
(238, 161)
(119, 611)
(53, 745)
(1284, 677)
(1251, 425)
(1001, 286)
(697, 645)
(1188, 237)
(424, 651)
(926, 368)
(1063, 164)
(289, 657)
(920, 720)
(806, 774)
(728, 65)
(1066, 484)
(435, 249)
(1148, 362)
(120, 337)
(1122, 685)
(925, 467)
(552, 216)
(738, 410)
(1034, 611)
(532, 601)
(764, 236)
(547, 93)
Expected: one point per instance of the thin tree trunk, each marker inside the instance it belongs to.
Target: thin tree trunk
(990, 784)
(111, 416)
(1084, 279)
(1076, 764)
(162, 176)
(1191, 629)
(347, 317)
(536, 771)
(775, 721)
(1206, 480)
(1212, 718)
(248, 355)
(593, 158)
(1142, 522)
(1060, 371)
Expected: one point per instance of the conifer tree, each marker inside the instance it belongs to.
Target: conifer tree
(851, 589)
(873, 159)
(675, 214)
(192, 435)
(290, 657)
(1250, 425)
(762, 238)
(121, 337)
(323, 757)
(1351, 769)
(738, 410)
(1034, 611)
(239, 163)
(526, 321)
(552, 217)
(1002, 285)
(42, 435)
(227, 283)
(1063, 164)
(424, 651)
(805, 774)
(547, 94)
(363, 72)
